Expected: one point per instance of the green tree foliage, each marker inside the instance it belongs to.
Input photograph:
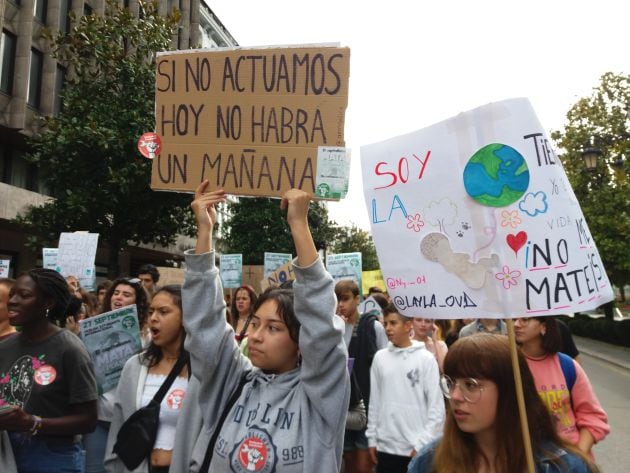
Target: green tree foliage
(602, 120)
(257, 225)
(352, 239)
(87, 155)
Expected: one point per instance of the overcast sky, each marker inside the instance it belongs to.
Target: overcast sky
(417, 62)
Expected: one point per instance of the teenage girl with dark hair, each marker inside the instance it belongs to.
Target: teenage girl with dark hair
(47, 382)
(580, 418)
(143, 375)
(241, 311)
(291, 412)
(122, 293)
(482, 432)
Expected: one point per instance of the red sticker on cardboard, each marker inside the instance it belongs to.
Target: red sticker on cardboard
(150, 145)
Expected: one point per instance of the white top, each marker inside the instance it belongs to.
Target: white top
(406, 403)
(170, 407)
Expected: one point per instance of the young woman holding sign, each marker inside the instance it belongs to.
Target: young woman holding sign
(122, 293)
(290, 412)
(482, 433)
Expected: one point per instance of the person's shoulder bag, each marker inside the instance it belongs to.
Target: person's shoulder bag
(136, 436)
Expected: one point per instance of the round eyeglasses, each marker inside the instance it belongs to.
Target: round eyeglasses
(469, 387)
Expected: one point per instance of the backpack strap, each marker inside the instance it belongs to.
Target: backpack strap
(213, 440)
(568, 370)
(183, 360)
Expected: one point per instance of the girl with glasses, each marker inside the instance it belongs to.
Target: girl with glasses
(482, 432)
(561, 383)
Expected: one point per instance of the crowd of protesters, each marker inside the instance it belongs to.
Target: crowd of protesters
(294, 379)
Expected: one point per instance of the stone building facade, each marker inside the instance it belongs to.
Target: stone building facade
(30, 83)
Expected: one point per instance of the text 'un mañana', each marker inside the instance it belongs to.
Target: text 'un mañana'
(245, 170)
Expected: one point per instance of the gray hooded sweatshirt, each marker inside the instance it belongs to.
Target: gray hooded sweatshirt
(290, 422)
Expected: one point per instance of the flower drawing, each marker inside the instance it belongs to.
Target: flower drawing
(37, 362)
(511, 218)
(508, 278)
(415, 222)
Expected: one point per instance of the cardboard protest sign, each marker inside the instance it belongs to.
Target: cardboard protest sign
(231, 270)
(170, 275)
(283, 274)
(253, 121)
(76, 255)
(345, 266)
(475, 217)
(273, 261)
(111, 339)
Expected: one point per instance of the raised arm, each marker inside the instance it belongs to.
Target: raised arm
(206, 215)
(215, 359)
(296, 202)
(324, 373)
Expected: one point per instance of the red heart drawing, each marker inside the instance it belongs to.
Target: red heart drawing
(517, 241)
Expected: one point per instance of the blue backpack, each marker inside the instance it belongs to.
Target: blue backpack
(568, 370)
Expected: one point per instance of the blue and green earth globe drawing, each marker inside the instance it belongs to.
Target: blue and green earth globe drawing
(496, 175)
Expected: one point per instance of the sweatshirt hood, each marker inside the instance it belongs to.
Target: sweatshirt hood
(415, 345)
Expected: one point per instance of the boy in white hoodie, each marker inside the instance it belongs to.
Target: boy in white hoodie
(406, 406)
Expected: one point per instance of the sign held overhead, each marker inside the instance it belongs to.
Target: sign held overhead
(252, 121)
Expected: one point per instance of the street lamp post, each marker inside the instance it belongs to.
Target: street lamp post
(590, 155)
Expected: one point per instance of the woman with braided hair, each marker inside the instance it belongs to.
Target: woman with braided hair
(47, 384)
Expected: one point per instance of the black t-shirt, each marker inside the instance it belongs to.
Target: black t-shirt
(45, 378)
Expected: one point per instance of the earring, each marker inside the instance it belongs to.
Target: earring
(543, 332)
(47, 312)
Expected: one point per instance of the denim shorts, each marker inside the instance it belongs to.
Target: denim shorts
(47, 454)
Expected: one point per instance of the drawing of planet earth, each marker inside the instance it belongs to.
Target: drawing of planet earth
(496, 175)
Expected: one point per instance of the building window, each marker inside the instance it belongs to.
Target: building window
(4, 164)
(60, 81)
(87, 9)
(16, 171)
(40, 8)
(35, 78)
(65, 6)
(7, 66)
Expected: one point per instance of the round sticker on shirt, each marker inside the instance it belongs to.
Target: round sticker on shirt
(150, 145)
(175, 399)
(45, 375)
(255, 452)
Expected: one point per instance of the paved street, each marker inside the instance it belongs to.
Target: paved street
(608, 368)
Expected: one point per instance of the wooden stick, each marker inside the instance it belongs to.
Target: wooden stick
(520, 398)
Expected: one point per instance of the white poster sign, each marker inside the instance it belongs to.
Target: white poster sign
(345, 266)
(475, 217)
(5, 264)
(274, 261)
(231, 270)
(368, 305)
(49, 258)
(111, 339)
(77, 252)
